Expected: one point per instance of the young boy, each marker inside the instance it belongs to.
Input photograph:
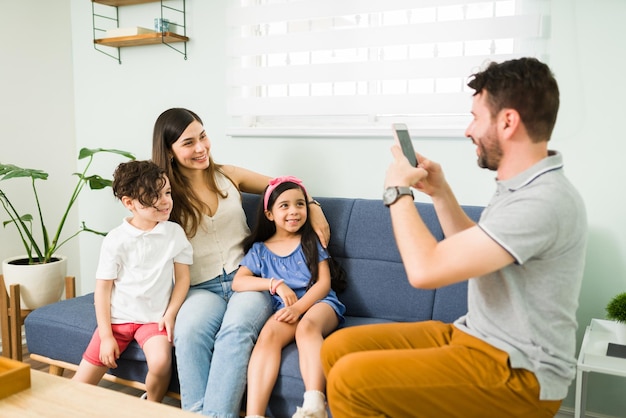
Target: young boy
(142, 279)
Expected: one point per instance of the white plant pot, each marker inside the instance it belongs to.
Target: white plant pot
(620, 332)
(40, 284)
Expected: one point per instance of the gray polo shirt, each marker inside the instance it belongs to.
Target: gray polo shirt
(528, 308)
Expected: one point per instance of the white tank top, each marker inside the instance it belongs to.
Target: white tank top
(218, 243)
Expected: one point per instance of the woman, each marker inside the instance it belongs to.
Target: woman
(216, 328)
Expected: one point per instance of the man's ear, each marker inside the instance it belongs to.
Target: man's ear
(508, 121)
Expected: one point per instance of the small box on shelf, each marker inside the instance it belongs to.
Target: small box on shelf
(14, 377)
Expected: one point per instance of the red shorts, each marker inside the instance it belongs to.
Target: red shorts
(123, 334)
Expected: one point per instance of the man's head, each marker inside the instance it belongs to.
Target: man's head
(525, 85)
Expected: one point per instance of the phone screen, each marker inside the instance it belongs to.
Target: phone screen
(401, 134)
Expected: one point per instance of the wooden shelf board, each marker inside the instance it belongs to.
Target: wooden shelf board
(123, 2)
(144, 39)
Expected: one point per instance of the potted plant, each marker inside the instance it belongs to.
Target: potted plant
(41, 253)
(616, 311)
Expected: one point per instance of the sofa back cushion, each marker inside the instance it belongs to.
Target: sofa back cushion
(363, 242)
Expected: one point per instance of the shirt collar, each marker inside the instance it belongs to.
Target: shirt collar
(554, 161)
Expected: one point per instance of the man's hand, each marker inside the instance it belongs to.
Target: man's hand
(401, 172)
(435, 181)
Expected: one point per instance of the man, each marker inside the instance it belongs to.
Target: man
(512, 354)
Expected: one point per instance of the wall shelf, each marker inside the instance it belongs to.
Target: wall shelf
(143, 39)
(107, 17)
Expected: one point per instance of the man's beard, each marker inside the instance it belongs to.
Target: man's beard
(489, 157)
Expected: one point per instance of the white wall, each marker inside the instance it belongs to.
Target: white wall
(115, 106)
(37, 114)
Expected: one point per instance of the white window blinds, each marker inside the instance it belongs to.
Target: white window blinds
(352, 67)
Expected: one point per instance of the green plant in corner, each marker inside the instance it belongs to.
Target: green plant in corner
(616, 308)
(42, 251)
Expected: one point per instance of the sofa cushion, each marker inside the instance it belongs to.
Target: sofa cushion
(73, 322)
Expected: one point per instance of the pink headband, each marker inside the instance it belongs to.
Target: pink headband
(274, 183)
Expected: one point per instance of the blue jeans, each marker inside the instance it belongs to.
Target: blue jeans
(215, 332)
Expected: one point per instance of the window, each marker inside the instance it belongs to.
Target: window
(351, 68)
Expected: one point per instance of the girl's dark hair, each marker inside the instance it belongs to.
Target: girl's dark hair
(188, 208)
(141, 180)
(526, 85)
(264, 229)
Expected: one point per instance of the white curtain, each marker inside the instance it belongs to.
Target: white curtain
(351, 67)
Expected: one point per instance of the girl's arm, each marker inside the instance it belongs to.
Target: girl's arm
(179, 293)
(244, 281)
(251, 182)
(316, 292)
(109, 350)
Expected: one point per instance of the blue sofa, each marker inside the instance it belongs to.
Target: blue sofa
(378, 291)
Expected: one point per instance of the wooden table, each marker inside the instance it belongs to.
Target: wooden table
(53, 396)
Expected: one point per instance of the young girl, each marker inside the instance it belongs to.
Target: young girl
(142, 280)
(285, 257)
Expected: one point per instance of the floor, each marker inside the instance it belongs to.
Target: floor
(35, 365)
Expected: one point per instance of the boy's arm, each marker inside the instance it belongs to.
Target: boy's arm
(109, 350)
(182, 281)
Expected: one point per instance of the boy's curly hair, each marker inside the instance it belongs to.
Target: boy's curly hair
(141, 180)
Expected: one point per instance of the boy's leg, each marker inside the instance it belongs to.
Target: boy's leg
(91, 369)
(434, 370)
(158, 352)
(89, 373)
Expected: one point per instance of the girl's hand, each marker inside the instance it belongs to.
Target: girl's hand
(288, 314)
(109, 352)
(286, 294)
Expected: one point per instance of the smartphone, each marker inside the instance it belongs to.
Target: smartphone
(401, 133)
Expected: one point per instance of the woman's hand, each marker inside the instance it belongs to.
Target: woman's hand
(319, 224)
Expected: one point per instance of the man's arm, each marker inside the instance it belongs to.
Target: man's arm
(467, 250)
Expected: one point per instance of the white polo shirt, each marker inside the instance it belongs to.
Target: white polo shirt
(142, 265)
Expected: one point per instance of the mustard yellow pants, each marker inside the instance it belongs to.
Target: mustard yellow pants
(425, 370)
